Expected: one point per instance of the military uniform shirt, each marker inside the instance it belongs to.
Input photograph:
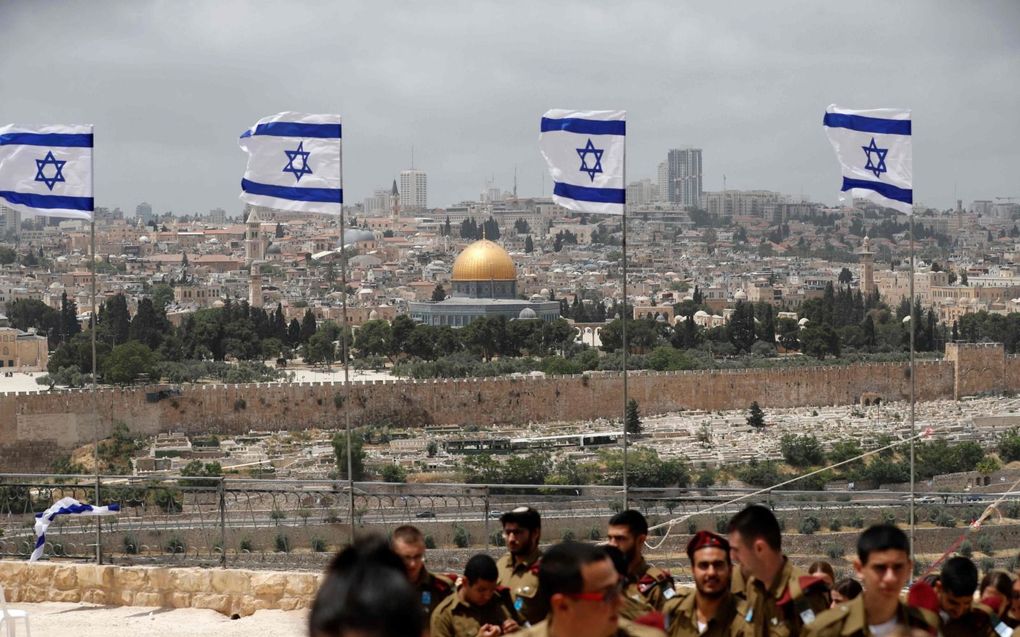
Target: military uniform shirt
(648, 584)
(454, 617)
(682, 616)
(432, 589)
(849, 620)
(522, 580)
(625, 629)
(979, 621)
(783, 609)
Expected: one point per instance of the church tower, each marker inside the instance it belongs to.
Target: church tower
(395, 203)
(254, 241)
(255, 286)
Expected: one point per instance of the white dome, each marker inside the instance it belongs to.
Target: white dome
(803, 322)
(700, 314)
(373, 315)
(527, 313)
(740, 296)
(143, 239)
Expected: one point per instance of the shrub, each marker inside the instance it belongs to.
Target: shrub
(461, 539)
(835, 524)
(430, 542)
(808, 525)
(945, 520)
(130, 545)
(857, 522)
(568, 536)
(966, 550)
(986, 564)
(985, 546)
(834, 551)
(318, 545)
(245, 546)
(496, 538)
(594, 534)
(692, 527)
(722, 524)
(175, 545)
(282, 543)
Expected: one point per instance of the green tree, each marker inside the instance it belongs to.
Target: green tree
(69, 325)
(374, 339)
(393, 473)
(320, 348)
(801, 451)
(114, 320)
(308, 326)
(357, 455)
(819, 340)
(755, 416)
(128, 361)
(529, 245)
(633, 420)
(438, 293)
(198, 469)
(7, 255)
(148, 326)
(1009, 445)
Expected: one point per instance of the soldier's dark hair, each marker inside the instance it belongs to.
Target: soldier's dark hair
(407, 534)
(1000, 581)
(757, 522)
(366, 591)
(848, 587)
(481, 566)
(618, 558)
(560, 568)
(633, 520)
(524, 517)
(881, 537)
(959, 576)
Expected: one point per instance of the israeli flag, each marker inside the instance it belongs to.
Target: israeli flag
(873, 147)
(47, 170)
(64, 506)
(294, 163)
(586, 152)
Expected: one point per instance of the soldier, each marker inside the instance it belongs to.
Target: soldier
(518, 569)
(409, 543)
(710, 608)
(645, 583)
(583, 592)
(479, 608)
(1012, 617)
(883, 565)
(781, 598)
(960, 617)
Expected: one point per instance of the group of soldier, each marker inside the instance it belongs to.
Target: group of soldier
(744, 586)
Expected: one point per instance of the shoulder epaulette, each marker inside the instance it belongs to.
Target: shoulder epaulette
(534, 567)
(832, 615)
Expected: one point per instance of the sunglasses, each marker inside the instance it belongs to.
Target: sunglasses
(607, 596)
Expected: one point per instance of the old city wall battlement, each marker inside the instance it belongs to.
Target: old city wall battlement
(37, 427)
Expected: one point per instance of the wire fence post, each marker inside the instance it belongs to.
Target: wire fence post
(99, 525)
(485, 522)
(223, 522)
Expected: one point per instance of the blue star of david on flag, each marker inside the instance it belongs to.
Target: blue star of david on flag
(589, 149)
(298, 172)
(58, 173)
(879, 168)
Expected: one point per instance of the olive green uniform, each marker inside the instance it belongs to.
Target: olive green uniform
(522, 580)
(782, 610)
(682, 616)
(454, 617)
(432, 590)
(626, 629)
(647, 589)
(850, 620)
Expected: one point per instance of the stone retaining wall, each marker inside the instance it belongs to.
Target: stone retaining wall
(227, 591)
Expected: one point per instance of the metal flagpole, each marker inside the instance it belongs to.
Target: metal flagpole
(913, 382)
(623, 314)
(95, 413)
(347, 380)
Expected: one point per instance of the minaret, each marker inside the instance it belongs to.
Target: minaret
(255, 286)
(867, 259)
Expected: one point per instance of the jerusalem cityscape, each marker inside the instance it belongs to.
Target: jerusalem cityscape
(424, 354)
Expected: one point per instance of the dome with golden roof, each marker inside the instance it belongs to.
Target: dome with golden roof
(484, 260)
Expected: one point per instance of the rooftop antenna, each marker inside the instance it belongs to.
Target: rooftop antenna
(412, 156)
(515, 183)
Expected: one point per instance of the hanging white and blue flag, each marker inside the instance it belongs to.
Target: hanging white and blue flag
(47, 170)
(586, 152)
(873, 147)
(294, 163)
(64, 506)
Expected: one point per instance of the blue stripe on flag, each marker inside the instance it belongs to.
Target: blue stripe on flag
(49, 202)
(584, 193)
(67, 140)
(324, 195)
(868, 124)
(886, 190)
(292, 129)
(585, 126)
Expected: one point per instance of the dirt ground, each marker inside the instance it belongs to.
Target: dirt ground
(53, 619)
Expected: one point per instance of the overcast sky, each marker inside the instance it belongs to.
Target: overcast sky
(170, 85)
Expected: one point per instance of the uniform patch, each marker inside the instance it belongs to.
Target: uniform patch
(669, 593)
(519, 604)
(426, 598)
(807, 616)
(749, 616)
(1003, 630)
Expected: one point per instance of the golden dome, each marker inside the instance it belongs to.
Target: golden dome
(484, 260)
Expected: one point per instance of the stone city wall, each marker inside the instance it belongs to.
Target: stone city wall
(231, 592)
(36, 428)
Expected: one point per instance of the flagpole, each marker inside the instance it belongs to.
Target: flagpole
(347, 380)
(95, 436)
(623, 314)
(913, 384)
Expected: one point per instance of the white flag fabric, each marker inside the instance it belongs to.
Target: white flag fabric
(586, 153)
(294, 163)
(47, 170)
(873, 147)
(64, 506)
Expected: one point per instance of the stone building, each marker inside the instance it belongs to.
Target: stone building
(484, 281)
(22, 351)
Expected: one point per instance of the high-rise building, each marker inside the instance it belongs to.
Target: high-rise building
(663, 181)
(379, 202)
(10, 221)
(143, 212)
(217, 215)
(413, 190)
(684, 176)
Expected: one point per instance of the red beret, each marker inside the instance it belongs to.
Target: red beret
(704, 539)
